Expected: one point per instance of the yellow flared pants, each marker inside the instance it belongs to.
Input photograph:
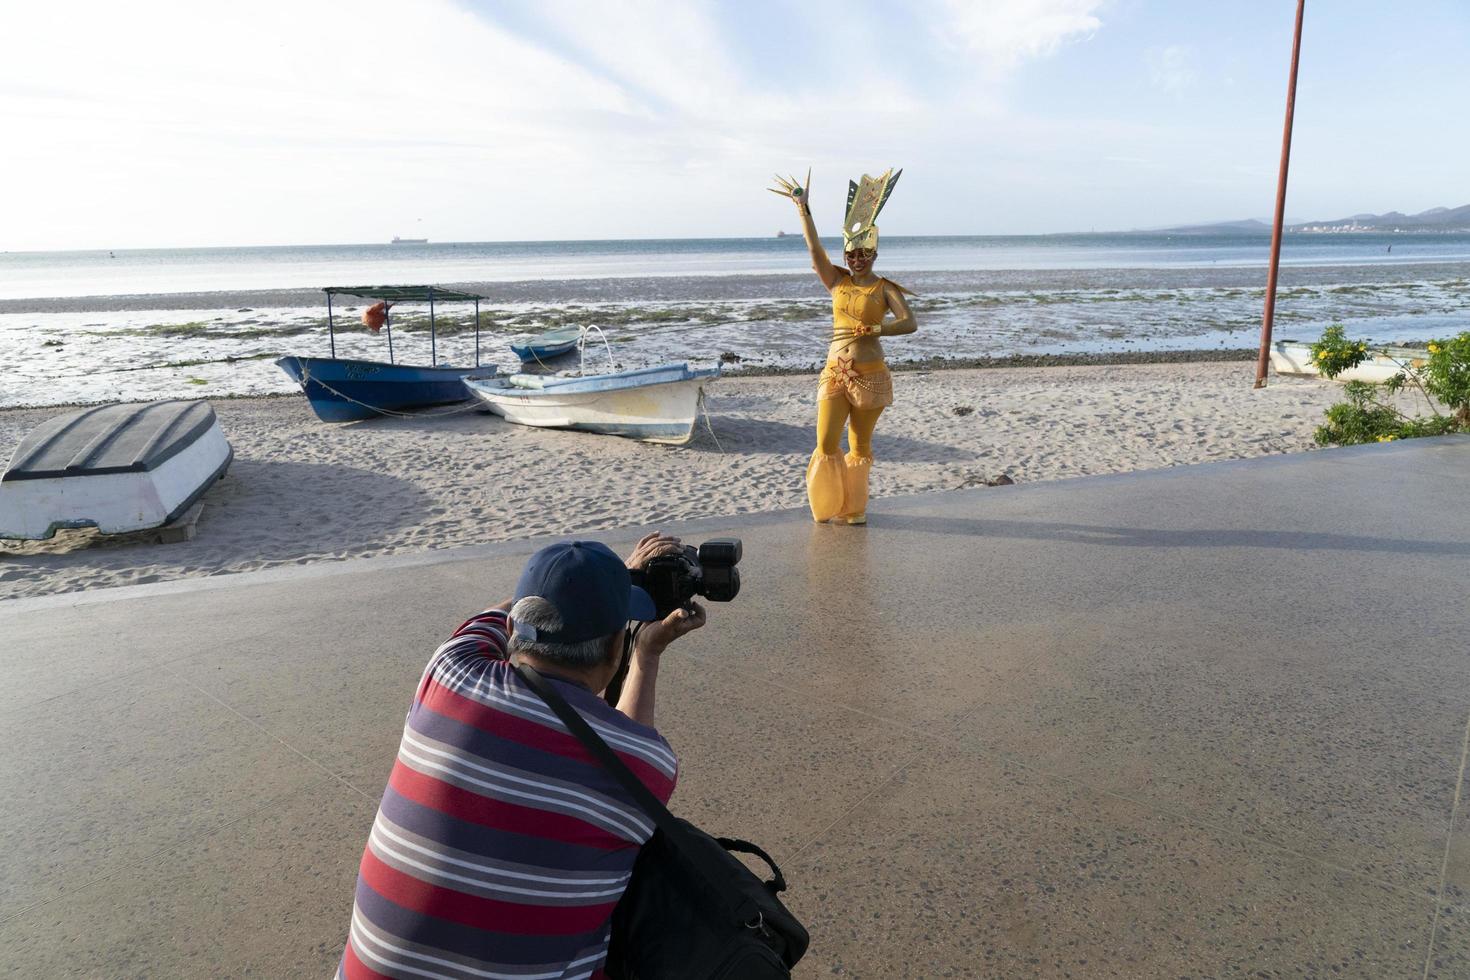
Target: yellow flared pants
(838, 487)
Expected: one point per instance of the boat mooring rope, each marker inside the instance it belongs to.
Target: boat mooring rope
(473, 406)
(581, 350)
(541, 362)
(704, 411)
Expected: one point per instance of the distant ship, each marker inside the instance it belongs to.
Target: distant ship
(784, 234)
(408, 241)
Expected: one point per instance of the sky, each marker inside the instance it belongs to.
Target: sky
(167, 123)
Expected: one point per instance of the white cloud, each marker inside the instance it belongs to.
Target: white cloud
(669, 53)
(176, 122)
(1005, 33)
(1172, 69)
(185, 124)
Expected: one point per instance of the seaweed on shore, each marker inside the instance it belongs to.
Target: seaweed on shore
(196, 329)
(1099, 358)
(450, 325)
(193, 328)
(549, 318)
(191, 362)
(1054, 333)
(788, 312)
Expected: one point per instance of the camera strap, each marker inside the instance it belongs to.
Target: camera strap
(740, 907)
(615, 686)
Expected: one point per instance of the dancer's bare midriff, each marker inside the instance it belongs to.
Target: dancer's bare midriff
(860, 349)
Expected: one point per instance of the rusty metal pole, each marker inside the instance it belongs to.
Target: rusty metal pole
(1265, 359)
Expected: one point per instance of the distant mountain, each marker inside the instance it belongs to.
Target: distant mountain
(1433, 220)
(1250, 226)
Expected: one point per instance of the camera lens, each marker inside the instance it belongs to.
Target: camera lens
(720, 551)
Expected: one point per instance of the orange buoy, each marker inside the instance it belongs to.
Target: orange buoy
(376, 315)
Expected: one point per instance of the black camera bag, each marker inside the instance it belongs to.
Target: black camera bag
(692, 910)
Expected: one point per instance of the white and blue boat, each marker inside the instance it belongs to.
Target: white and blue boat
(552, 343)
(655, 404)
(348, 389)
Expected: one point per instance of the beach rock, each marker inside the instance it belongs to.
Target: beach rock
(1000, 481)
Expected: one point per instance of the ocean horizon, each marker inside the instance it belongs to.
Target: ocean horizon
(120, 272)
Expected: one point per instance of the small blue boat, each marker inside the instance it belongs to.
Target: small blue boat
(552, 343)
(347, 390)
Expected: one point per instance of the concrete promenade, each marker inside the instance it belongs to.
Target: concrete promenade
(1202, 722)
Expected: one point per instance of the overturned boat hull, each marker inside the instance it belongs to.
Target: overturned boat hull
(117, 468)
(343, 390)
(657, 404)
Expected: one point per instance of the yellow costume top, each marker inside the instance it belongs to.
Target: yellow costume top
(856, 308)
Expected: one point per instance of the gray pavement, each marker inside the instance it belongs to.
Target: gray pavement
(1208, 721)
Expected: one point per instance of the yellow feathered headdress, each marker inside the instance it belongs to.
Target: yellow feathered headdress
(864, 200)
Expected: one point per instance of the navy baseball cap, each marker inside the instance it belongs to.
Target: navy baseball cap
(590, 588)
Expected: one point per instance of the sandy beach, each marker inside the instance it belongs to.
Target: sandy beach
(301, 491)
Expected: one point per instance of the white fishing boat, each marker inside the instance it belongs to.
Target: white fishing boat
(655, 404)
(114, 467)
(1293, 357)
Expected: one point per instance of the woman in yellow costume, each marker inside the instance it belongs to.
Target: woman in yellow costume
(855, 385)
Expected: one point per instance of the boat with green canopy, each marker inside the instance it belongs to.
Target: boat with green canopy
(347, 389)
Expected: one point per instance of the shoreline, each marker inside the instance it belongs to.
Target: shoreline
(736, 370)
(1090, 359)
(301, 491)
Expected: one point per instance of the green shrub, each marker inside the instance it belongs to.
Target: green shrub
(1335, 353)
(1447, 375)
(1443, 377)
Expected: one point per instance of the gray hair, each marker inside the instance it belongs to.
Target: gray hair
(536, 611)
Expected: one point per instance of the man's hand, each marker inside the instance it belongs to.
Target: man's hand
(655, 637)
(651, 546)
(638, 690)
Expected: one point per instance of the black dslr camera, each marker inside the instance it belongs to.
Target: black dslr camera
(672, 580)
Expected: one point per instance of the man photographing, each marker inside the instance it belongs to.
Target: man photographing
(501, 845)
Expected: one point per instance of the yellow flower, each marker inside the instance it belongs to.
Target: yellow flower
(1321, 355)
(1387, 438)
(1434, 348)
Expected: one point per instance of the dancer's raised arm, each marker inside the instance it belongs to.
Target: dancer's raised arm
(830, 274)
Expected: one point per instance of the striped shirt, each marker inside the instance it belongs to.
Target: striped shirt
(501, 845)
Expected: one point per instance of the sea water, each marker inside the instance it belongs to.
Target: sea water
(136, 324)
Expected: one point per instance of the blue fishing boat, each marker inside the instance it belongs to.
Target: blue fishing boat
(347, 390)
(552, 343)
(655, 404)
